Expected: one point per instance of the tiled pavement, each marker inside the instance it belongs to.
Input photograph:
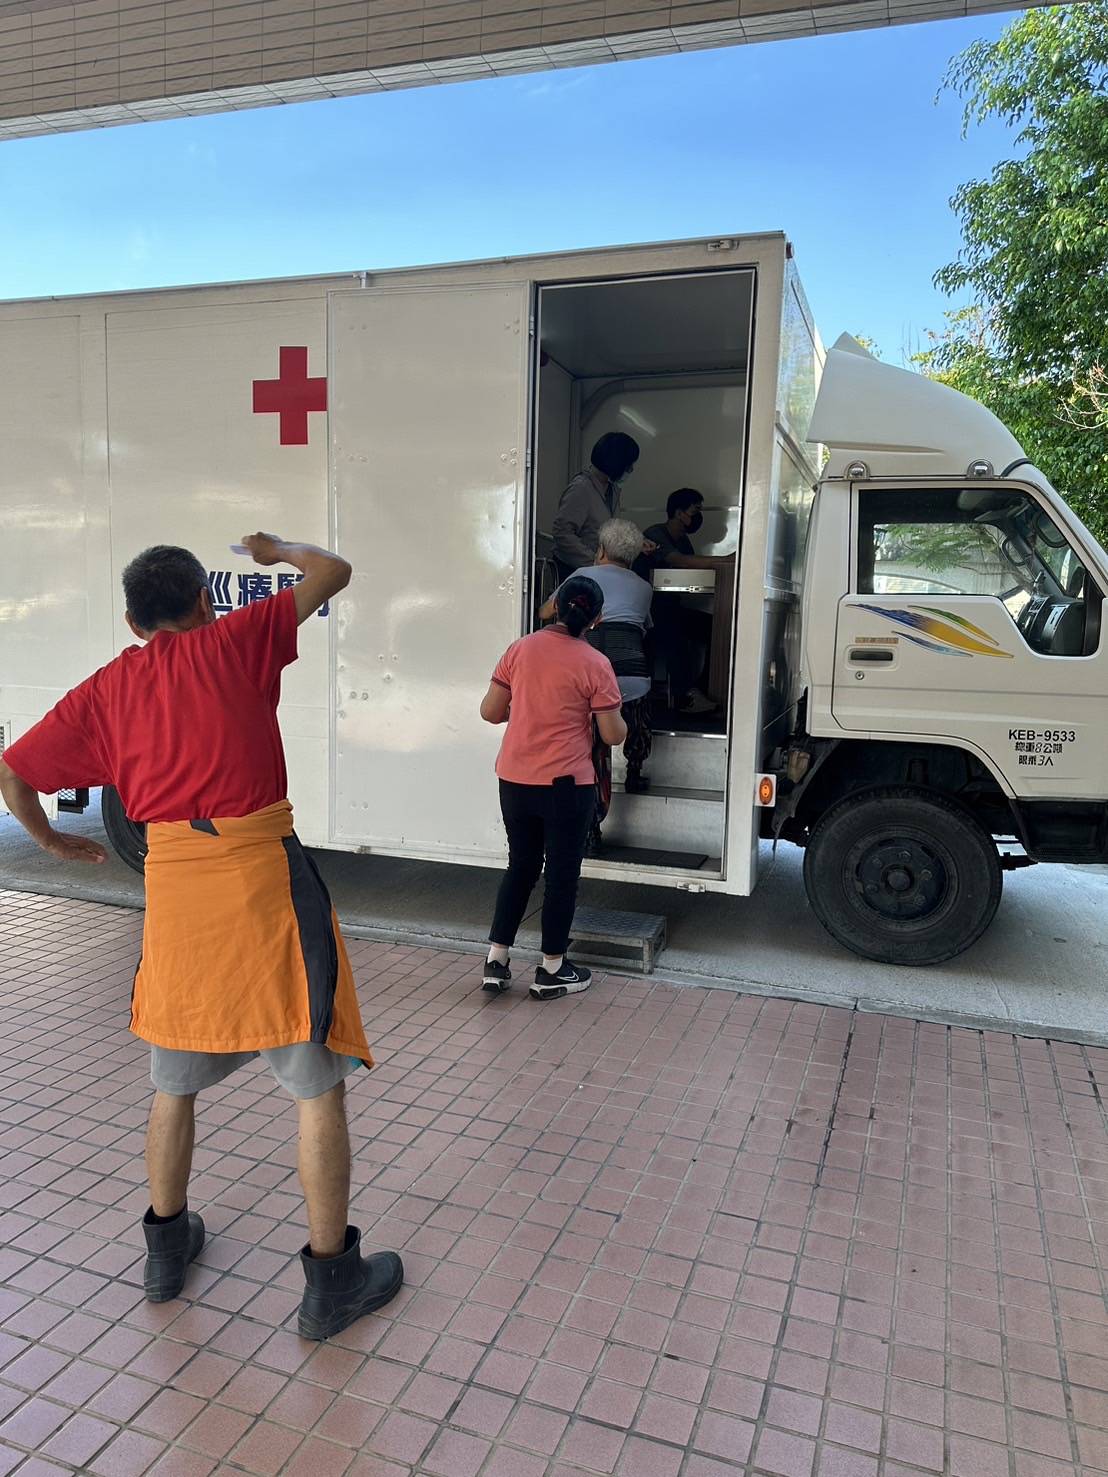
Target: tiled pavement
(650, 1231)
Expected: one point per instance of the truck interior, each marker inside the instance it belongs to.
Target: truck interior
(665, 360)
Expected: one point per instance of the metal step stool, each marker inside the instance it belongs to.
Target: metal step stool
(624, 942)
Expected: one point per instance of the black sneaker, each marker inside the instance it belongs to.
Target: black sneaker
(695, 704)
(635, 783)
(570, 979)
(498, 977)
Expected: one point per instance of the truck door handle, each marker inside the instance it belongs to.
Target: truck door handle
(870, 654)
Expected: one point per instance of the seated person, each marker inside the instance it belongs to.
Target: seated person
(684, 633)
(621, 636)
(674, 549)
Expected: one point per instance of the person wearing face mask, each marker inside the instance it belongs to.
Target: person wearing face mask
(590, 500)
(684, 633)
(674, 548)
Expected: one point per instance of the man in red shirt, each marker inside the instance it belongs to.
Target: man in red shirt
(185, 728)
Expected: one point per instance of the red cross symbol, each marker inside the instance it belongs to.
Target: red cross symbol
(291, 396)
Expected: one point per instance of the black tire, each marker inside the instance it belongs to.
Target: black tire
(127, 836)
(902, 876)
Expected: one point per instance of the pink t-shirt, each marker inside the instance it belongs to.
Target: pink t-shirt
(557, 682)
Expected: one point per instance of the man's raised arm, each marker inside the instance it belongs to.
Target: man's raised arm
(325, 574)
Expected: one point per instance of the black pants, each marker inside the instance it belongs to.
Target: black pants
(548, 822)
(684, 637)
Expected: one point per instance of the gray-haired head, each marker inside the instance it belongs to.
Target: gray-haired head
(621, 540)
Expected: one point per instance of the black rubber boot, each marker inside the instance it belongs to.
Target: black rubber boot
(170, 1247)
(341, 1289)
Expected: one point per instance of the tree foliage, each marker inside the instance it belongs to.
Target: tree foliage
(1034, 347)
(948, 549)
(1040, 413)
(1036, 232)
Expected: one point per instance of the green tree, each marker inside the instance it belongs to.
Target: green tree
(1034, 346)
(951, 550)
(1069, 442)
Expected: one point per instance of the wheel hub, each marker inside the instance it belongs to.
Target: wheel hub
(900, 878)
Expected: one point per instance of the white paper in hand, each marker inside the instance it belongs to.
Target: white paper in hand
(240, 549)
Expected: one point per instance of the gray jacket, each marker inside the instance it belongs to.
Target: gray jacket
(584, 508)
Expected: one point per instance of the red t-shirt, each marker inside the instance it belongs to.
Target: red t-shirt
(184, 727)
(557, 682)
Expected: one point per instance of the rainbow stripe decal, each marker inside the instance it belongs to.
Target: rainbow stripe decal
(941, 631)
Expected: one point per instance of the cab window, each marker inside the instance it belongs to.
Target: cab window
(981, 541)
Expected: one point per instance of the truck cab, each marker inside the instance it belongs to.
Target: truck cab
(955, 682)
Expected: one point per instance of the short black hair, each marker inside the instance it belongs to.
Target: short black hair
(162, 584)
(614, 454)
(683, 498)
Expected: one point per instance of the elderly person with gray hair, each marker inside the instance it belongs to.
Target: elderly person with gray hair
(621, 636)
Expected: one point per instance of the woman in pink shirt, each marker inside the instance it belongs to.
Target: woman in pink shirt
(549, 688)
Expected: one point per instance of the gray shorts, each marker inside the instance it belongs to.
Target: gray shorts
(305, 1070)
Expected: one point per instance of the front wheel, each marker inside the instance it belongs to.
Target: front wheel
(902, 876)
(127, 836)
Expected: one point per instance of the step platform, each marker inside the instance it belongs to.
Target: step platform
(628, 943)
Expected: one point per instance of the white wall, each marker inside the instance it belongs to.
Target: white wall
(689, 437)
(46, 616)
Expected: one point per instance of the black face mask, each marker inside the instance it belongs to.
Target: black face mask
(696, 521)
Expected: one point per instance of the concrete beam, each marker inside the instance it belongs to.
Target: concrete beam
(100, 63)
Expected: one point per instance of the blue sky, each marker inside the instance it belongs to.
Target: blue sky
(837, 140)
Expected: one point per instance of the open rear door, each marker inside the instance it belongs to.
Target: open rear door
(428, 431)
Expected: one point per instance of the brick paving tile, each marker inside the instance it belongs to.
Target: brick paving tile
(265, 1449)
(649, 1232)
(79, 1440)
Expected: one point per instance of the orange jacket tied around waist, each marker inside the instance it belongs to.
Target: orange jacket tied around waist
(241, 947)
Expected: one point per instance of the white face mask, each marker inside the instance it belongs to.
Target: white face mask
(618, 482)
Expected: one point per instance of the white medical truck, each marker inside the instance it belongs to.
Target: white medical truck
(906, 643)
